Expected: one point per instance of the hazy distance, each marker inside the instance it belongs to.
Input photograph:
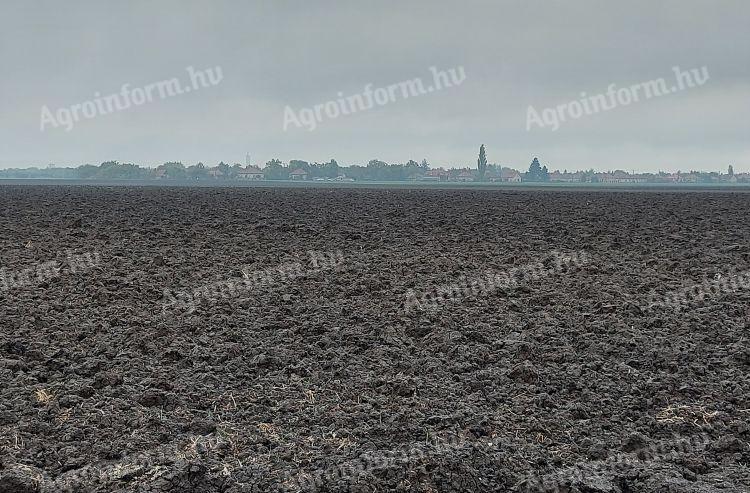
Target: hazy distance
(278, 55)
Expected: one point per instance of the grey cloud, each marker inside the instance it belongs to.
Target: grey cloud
(281, 53)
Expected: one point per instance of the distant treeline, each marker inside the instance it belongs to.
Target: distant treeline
(375, 170)
(273, 170)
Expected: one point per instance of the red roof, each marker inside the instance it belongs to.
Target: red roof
(298, 171)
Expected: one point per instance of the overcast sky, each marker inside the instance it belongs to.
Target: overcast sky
(283, 54)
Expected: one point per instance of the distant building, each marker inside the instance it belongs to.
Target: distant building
(435, 175)
(251, 173)
(298, 174)
(492, 175)
(679, 178)
(688, 178)
(729, 178)
(556, 176)
(510, 176)
(215, 172)
(465, 175)
(621, 176)
(617, 176)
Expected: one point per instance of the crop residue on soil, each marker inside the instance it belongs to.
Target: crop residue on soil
(322, 382)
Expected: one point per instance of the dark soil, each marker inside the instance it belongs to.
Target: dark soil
(563, 384)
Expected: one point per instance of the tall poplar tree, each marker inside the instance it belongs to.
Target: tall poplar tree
(482, 162)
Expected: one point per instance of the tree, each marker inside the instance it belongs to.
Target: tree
(87, 171)
(331, 169)
(197, 171)
(731, 170)
(298, 164)
(482, 162)
(130, 171)
(174, 170)
(412, 170)
(536, 172)
(275, 171)
(224, 168)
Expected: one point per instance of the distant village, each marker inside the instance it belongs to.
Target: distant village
(510, 175)
(374, 170)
